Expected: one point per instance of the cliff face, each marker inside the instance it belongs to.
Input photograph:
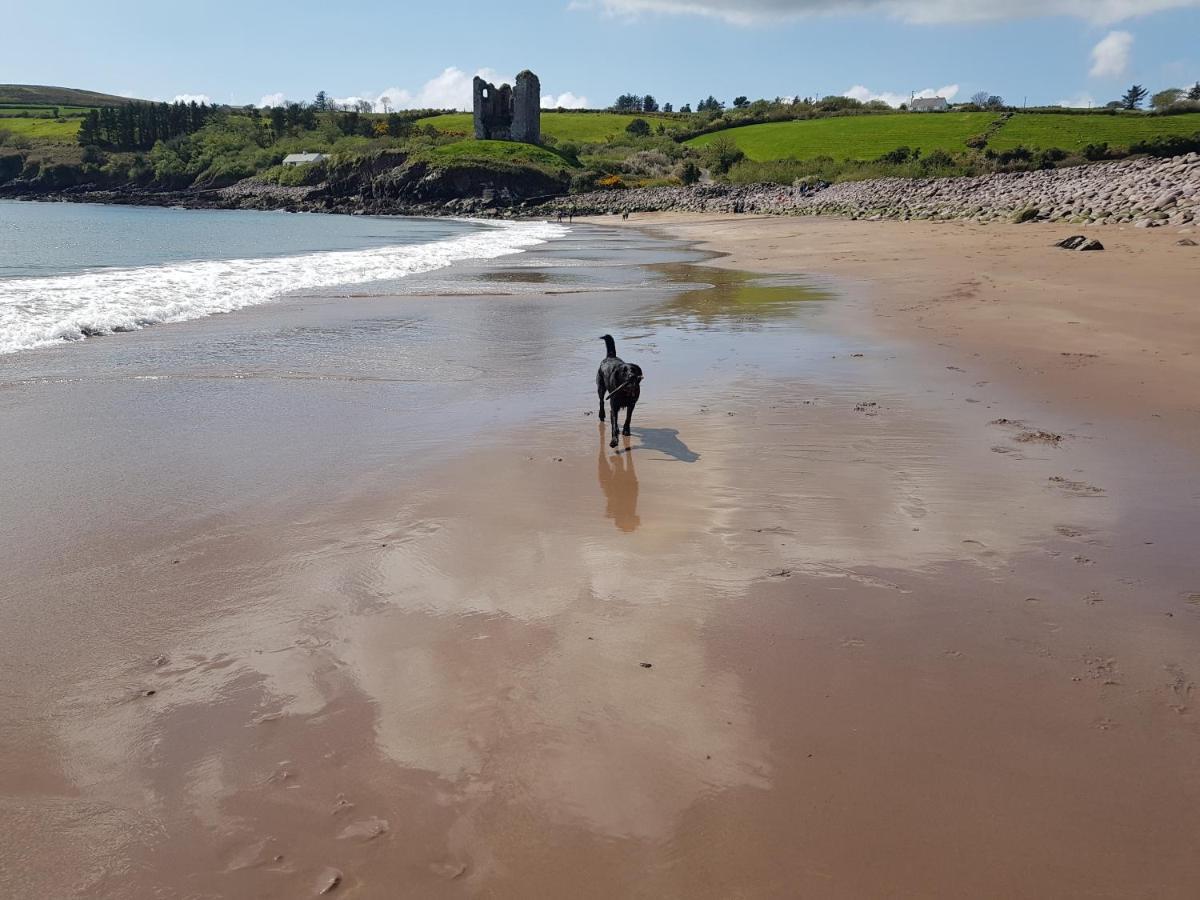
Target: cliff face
(390, 181)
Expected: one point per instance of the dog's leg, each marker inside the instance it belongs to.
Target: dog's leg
(614, 410)
(600, 391)
(628, 416)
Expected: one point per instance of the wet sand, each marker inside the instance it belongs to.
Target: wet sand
(881, 597)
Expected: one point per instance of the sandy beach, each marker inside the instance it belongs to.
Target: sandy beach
(891, 592)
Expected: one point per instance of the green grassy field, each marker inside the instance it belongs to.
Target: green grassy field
(43, 111)
(868, 137)
(48, 130)
(503, 151)
(1074, 132)
(854, 137)
(582, 128)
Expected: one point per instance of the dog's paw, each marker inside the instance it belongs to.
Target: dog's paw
(613, 442)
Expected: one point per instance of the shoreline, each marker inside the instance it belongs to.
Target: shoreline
(1148, 192)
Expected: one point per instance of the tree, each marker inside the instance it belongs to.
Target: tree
(710, 103)
(686, 108)
(722, 154)
(321, 103)
(649, 104)
(741, 102)
(980, 98)
(1194, 93)
(1165, 99)
(365, 106)
(629, 103)
(386, 102)
(667, 107)
(995, 101)
(278, 120)
(638, 128)
(1132, 98)
(689, 173)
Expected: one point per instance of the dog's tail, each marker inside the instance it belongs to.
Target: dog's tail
(610, 345)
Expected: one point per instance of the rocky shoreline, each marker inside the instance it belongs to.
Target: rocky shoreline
(1142, 192)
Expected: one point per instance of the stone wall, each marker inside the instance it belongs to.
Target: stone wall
(527, 108)
(508, 113)
(493, 110)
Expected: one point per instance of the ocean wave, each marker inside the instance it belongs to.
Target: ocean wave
(36, 312)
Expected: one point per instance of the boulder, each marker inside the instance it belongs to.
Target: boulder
(1072, 243)
(1092, 245)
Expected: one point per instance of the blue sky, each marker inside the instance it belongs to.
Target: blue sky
(1047, 51)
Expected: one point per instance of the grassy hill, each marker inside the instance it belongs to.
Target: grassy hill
(868, 137)
(1074, 132)
(43, 95)
(41, 129)
(854, 137)
(491, 152)
(580, 127)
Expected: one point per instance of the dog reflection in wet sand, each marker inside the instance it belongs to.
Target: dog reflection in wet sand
(618, 481)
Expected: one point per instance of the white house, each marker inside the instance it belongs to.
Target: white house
(299, 159)
(929, 104)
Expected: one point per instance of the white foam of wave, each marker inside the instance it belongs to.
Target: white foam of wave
(36, 312)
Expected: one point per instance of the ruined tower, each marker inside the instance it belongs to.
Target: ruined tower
(509, 114)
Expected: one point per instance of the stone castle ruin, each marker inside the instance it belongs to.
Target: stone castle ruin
(509, 113)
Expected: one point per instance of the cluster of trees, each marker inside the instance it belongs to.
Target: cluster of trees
(638, 103)
(1160, 102)
(139, 126)
(986, 100)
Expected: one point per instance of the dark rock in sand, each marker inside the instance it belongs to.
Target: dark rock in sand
(1092, 245)
(1072, 243)
(1186, 242)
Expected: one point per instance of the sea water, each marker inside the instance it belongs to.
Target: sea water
(70, 271)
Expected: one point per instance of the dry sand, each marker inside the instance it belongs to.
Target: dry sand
(906, 609)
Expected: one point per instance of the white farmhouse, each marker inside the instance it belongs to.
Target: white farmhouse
(929, 104)
(300, 159)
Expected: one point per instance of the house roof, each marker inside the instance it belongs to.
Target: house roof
(303, 157)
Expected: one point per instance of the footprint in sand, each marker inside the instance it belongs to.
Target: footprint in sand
(1181, 687)
(364, 830)
(1077, 488)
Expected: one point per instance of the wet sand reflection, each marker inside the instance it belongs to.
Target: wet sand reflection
(618, 481)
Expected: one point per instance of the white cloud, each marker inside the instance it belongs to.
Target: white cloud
(863, 93)
(1110, 57)
(753, 12)
(1083, 101)
(565, 100)
(450, 89)
(188, 98)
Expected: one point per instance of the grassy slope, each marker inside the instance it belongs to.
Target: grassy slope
(42, 94)
(1073, 132)
(854, 137)
(583, 128)
(43, 130)
(867, 137)
(498, 151)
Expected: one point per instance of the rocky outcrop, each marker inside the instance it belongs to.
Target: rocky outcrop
(1142, 192)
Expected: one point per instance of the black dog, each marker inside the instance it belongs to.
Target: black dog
(621, 382)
